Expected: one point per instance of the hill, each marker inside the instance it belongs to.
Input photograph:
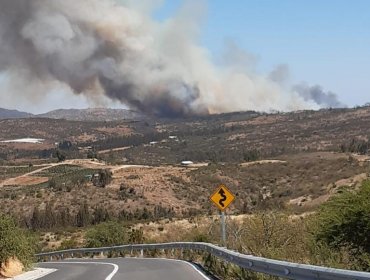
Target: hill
(13, 114)
(93, 114)
(290, 161)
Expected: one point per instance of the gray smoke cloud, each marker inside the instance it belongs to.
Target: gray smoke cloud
(115, 49)
(318, 95)
(280, 74)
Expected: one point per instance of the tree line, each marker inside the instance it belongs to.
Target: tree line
(358, 146)
(53, 218)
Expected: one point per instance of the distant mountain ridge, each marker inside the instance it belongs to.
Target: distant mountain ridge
(13, 114)
(94, 114)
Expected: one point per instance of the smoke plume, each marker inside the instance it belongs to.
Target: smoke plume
(115, 49)
(318, 95)
(280, 74)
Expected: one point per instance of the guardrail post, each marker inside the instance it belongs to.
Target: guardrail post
(142, 253)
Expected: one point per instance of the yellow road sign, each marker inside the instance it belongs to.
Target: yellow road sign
(222, 197)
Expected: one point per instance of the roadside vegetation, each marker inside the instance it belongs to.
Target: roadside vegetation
(15, 242)
(336, 235)
(106, 234)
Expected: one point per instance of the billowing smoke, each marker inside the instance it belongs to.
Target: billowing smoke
(318, 95)
(280, 74)
(115, 49)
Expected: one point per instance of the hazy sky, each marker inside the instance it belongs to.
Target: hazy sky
(322, 42)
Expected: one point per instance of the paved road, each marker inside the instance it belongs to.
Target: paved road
(122, 269)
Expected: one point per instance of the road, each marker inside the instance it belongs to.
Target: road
(122, 269)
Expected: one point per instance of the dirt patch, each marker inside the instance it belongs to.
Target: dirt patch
(238, 136)
(261, 120)
(354, 181)
(309, 201)
(84, 138)
(116, 130)
(361, 158)
(26, 181)
(197, 165)
(154, 184)
(27, 146)
(11, 268)
(86, 163)
(262, 162)
(300, 200)
(114, 150)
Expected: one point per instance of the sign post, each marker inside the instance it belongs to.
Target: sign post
(222, 198)
(223, 227)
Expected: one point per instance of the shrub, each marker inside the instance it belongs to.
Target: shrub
(14, 242)
(69, 244)
(106, 234)
(198, 236)
(344, 222)
(271, 234)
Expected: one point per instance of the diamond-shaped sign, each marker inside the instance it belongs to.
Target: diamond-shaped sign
(222, 197)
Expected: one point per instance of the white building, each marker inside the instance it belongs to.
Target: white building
(187, 163)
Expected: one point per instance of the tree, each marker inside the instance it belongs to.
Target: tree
(251, 155)
(65, 145)
(64, 217)
(36, 220)
(136, 236)
(100, 215)
(59, 155)
(83, 216)
(92, 154)
(49, 217)
(104, 178)
(52, 184)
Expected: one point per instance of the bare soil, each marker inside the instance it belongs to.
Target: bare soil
(25, 181)
(11, 268)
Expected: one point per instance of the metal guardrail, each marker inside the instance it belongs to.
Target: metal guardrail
(267, 266)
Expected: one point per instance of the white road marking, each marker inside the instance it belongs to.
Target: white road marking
(109, 277)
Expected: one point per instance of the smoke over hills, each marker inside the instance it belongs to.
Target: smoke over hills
(318, 95)
(102, 47)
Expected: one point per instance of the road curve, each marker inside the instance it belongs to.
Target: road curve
(122, 269)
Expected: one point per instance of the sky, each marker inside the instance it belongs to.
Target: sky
(322, 42)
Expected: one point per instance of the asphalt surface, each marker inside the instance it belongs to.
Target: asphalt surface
(122, 269)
